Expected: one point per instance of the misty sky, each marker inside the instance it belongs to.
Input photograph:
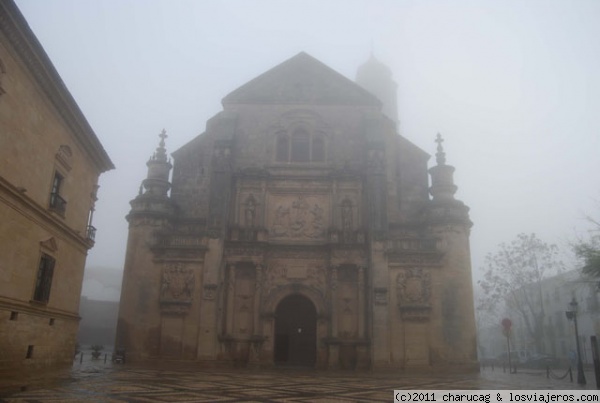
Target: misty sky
(513, 86)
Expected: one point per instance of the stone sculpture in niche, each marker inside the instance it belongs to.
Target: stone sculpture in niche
(177, 283)
(250, 211)
(347, 216)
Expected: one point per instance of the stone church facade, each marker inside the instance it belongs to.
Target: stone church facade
(299, 230)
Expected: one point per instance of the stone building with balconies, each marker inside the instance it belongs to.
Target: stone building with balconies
(50, 161)
(298, 229)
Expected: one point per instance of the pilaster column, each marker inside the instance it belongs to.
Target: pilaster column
(334, 348)
(334, 302)
(230, 298)
(361, 302)
(257, 297)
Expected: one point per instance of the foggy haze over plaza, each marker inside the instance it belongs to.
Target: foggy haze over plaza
(513, 87)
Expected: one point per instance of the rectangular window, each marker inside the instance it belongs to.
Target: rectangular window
(56, 201)
(29, 351)
(14, 315)
(51, 322)
(44, 279)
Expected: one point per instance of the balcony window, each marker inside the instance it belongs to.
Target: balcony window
(44, 279)
(91, 233)
(57, 203)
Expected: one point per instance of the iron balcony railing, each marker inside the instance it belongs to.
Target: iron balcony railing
(57, 203)
(91, 232)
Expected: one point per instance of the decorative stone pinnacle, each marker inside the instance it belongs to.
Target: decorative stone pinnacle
(440, 156)
(161, 151)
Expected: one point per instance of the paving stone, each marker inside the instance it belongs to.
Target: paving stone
(143, 384)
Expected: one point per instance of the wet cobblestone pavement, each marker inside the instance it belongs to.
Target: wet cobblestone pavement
(107, 383)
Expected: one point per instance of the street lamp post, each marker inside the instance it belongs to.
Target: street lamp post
(572, 314)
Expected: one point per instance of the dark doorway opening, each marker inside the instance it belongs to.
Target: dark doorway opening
(296, 332)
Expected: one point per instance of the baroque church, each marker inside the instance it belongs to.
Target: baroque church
(300, 229)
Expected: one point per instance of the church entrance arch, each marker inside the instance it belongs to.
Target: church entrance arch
(295, 331)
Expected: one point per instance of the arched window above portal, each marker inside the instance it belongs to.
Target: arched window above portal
(300, 146)
(318, 148)
(283, 147)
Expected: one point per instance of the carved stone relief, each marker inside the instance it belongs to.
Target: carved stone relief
(413, 288)
(177, 283)
(283, 272)
(316, 276)
(301, 217)
(349, 256)
(210, 291)
(298, 272)
(275, 274)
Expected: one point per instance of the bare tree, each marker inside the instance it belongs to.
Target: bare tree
(514, 276)
(588, 251)
(487, 317)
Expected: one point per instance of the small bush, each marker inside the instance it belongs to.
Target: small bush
(96, 351)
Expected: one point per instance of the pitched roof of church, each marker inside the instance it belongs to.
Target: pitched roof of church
(299, 80)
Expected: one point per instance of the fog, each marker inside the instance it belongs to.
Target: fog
(512, 86)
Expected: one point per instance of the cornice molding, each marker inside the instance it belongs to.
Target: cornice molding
(32, 308)
(26, 206)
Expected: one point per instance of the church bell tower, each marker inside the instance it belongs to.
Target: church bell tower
(376, 78)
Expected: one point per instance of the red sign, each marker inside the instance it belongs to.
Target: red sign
(506, 323)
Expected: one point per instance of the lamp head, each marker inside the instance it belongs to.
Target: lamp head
(573, 304)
